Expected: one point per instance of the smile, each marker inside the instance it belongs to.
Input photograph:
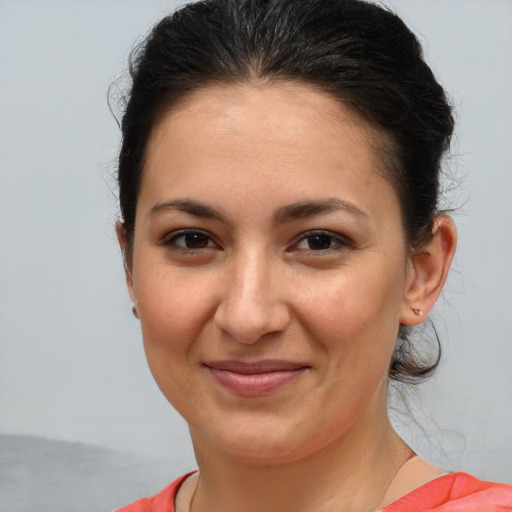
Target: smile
(254, 379)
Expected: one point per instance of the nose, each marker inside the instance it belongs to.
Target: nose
(252, 303)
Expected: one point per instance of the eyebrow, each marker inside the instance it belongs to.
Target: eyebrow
(305, 209)
(190, 206)
(287, 213)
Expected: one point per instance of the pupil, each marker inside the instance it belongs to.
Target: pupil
(318, 242)
(196, 240)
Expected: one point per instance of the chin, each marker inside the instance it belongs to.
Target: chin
(265, 442)
(262, 453)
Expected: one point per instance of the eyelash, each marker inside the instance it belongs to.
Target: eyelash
(172, 241)
(336, 242)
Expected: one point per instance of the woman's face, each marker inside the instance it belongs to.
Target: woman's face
(269, 268)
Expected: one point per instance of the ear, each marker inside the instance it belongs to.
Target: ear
(121, 238)
(428, 271)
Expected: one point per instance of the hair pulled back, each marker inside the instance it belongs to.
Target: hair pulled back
(354, 50)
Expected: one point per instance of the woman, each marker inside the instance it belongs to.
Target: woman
(279, 180)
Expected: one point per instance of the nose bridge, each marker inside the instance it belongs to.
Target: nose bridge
(252, 304)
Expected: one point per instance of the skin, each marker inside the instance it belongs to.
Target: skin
(260, 276)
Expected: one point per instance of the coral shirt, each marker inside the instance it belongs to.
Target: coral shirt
(456, 492)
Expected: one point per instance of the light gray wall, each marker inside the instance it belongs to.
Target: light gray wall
(71, 362)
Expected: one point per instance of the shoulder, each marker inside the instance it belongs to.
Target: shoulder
(161, 502)
(456, 492)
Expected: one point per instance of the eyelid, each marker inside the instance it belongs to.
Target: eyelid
(341, 242)
(169, 239)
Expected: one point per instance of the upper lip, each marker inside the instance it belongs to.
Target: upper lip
(263, 366)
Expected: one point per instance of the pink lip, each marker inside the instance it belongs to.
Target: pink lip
(254, 379)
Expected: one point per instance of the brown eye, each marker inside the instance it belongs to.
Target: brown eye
(190, 241)
(320, 242)
(195, 240)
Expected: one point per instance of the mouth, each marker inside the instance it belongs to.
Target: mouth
(255, 379)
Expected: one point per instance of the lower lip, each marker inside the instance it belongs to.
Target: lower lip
(257, 384)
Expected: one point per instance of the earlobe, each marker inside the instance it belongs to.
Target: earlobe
(428, 271)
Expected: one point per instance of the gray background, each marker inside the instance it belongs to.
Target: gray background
(82, 425)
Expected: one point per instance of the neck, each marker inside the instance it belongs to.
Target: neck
(352, 473)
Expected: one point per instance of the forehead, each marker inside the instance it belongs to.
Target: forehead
(243, 136)
(288, 111)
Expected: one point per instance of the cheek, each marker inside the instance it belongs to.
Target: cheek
(173, 315)
(356, 315)
(173, 312)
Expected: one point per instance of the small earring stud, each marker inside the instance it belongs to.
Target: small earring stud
(417, 312)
